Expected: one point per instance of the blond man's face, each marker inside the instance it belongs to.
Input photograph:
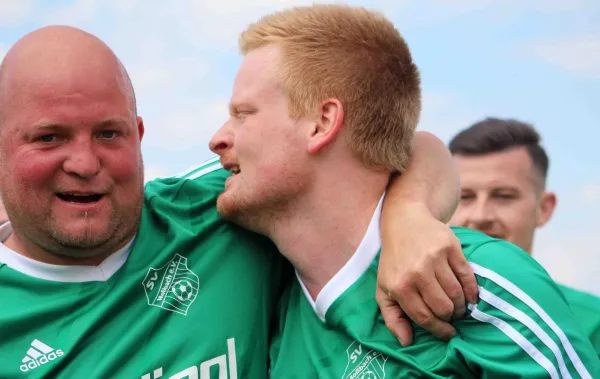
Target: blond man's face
(262, 145)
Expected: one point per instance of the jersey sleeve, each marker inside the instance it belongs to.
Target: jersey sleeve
(521, 325)
(197, 188)
(586, 309)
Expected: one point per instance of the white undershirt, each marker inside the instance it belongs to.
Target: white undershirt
(59, 273)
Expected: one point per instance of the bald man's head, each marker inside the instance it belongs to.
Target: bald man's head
(69, 125)
(59, 56)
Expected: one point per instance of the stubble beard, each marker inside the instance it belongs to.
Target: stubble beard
(44, 232)
(255, 215)
(90, 242)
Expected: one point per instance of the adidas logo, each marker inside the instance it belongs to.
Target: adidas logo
(39, 354)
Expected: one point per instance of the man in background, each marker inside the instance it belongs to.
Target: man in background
(503, 170)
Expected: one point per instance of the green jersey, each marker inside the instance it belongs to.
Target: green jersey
(190, 297)
(586, 309)
(520, 328)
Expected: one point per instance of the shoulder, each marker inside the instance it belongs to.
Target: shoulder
(486, 251)
(188, 200)
(580, 299)
(205, 180)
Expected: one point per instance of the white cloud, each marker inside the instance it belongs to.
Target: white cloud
(153, 172)
(227, 17)
(579, 54)
(230, 17)
(571, 258)
(150, 78)
(591, 194)
(432, 12)
(185, 128)
(15, 11)
(445, 115)
(123, 7)
(3, 51)
(80, 12)
(539, 5)
(76, 14)
(560, 5)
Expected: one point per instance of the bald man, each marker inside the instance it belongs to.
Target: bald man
(103, 278)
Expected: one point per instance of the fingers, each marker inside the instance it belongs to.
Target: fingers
(453, 291)
(464, 273)
(414, 307)
(394, 318)
(435, 297)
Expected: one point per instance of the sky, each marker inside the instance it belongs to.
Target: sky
(534, 60)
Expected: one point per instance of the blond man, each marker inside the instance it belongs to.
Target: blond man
(323, 111)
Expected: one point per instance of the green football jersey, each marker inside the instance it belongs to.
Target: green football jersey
(192, 296)
(520, 328)
(586, 309)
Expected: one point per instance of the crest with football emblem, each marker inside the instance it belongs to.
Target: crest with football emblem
(364, 363)
(173, 287)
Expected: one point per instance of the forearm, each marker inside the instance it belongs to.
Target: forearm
(431, 180)
(422, 267)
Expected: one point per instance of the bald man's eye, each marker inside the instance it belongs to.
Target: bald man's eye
(108, 134)
(505, 196)
(47, 138)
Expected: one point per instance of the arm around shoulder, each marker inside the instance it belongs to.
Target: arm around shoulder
(422, 271)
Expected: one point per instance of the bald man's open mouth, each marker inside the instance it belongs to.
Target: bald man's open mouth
(80, 197)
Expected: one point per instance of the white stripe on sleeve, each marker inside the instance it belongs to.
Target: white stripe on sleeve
(522, 296)
(514, 335)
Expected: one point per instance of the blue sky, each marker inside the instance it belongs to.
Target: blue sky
(535, 60)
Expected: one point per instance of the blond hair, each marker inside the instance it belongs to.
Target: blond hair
(356, 56)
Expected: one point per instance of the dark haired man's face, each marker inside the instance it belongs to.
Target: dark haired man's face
(502, 196)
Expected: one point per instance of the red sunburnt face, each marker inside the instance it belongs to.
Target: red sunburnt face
(72, 167)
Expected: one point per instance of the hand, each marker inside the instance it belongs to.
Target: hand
(422, 274)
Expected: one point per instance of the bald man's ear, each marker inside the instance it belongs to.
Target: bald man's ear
(140, 126)
(546, 208)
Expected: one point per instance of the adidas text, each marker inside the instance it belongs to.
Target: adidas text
(39, 354)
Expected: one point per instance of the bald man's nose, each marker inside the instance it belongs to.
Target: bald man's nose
(82, 161)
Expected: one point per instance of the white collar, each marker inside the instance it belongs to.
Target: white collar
(58, 273)
(352, 270)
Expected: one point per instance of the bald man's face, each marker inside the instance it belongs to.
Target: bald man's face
(71, 166)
